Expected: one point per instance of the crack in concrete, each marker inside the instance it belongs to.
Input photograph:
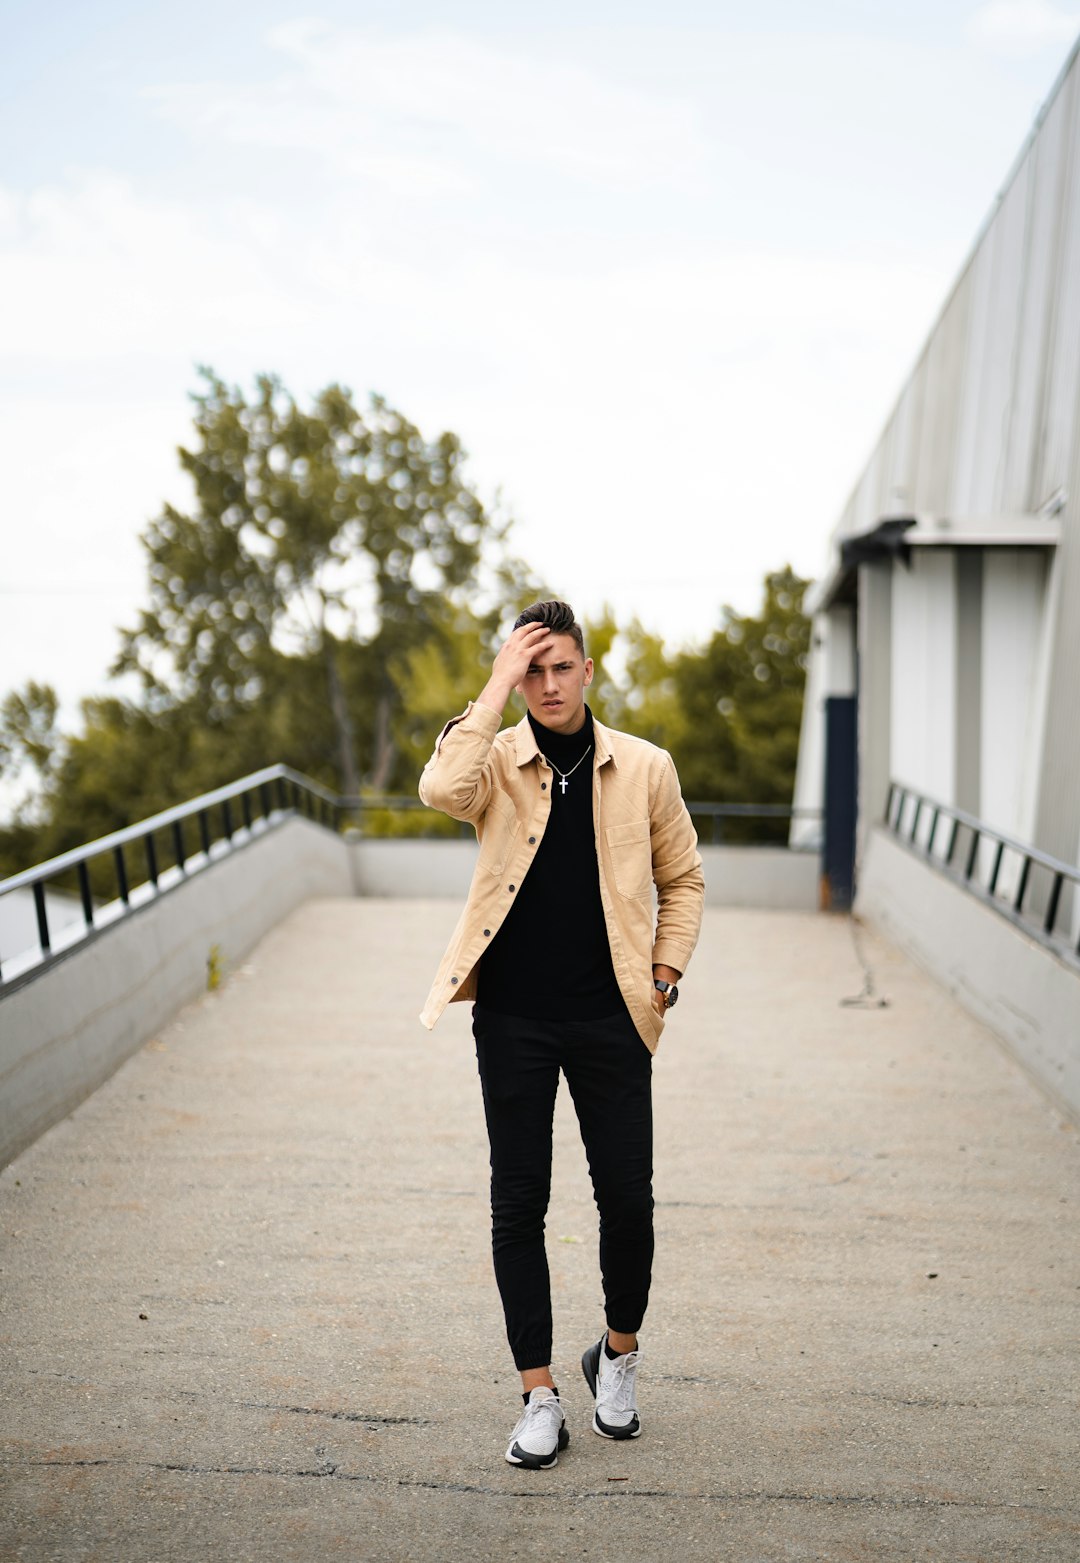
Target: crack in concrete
(329, 1469)
(681, 1378)
(339, 1416)
(371, 1419)
(901, 1400)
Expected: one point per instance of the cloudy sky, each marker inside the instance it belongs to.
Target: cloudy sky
(663, 268)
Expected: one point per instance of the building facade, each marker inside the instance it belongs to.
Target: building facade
(947, 621)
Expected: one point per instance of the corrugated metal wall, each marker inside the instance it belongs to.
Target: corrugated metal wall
(987, 422)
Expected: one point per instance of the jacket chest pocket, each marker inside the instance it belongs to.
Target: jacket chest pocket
(500, 833)
(631, 858)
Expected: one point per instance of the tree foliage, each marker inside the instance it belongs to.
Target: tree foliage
(739, 700)
(312, 534)
(730, 711)
(28, 731)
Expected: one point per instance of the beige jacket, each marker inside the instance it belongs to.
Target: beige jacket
(501, 784)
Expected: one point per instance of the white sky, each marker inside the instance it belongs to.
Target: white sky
(663, 269)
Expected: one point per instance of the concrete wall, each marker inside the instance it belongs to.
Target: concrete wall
(64, 1033)
(411, 870)
(734, 876)
(770, 877)
(1029, 997)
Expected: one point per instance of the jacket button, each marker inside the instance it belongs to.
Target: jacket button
(511, 887)
(487, 933)
(543, 786)
(532, 841)
(453, 979)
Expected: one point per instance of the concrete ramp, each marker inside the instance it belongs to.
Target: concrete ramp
(248, 1310)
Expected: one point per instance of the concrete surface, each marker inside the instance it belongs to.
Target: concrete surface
(66, 1031)
(1029, 996)
(248, 1312)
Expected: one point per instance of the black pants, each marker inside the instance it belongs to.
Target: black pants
(609, 1071)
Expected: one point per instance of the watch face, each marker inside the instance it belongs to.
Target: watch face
(672, 995)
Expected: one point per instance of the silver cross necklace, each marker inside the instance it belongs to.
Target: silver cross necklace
(565, 775)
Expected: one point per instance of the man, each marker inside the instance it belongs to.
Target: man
(570, 971)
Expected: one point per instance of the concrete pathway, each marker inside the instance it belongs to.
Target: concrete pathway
(248, 1312)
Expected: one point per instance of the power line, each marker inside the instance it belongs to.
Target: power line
(82, 590)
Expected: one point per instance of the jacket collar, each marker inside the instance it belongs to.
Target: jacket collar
(527, 749)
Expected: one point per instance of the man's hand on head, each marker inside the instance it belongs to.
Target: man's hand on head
(513, 661)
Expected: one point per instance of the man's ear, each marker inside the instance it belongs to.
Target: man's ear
(588, 671)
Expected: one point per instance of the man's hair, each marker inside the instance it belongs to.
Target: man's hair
(557, 616)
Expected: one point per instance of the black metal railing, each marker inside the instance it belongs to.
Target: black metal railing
(133, 855)
(364, 813)
(1031, 888)
(721, 813)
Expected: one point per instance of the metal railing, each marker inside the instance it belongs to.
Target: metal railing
(360, 810)
(146, 860)
(1031, 888)
(222, 820)
(719, 812)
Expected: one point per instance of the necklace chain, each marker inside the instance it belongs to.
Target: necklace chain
(567, 774)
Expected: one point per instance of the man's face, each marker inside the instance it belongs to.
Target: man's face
(555, 684)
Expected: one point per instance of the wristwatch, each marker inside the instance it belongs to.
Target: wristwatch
(670, 990)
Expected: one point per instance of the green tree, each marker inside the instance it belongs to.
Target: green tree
(740, 700)
(31, 746)
(312, 534)
(30, 742)
(642, 698)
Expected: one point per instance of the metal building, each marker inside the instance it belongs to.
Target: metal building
(943, 696)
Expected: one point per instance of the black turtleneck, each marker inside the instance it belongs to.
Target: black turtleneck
(551, 958)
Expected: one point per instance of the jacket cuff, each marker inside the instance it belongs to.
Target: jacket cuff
(475, 717)
(667, 953)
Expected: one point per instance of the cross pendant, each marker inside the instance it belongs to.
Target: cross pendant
(562, 784)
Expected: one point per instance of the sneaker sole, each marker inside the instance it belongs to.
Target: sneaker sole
(537, 1462)
(590, 1366)
(620, 1434)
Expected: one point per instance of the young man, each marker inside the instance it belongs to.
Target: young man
(570, 971)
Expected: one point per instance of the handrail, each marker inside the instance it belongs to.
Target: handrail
(119, 838)
(1013, 904)
(266, 798)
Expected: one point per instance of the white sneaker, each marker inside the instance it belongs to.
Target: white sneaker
(612, 1382)
(541, 1433)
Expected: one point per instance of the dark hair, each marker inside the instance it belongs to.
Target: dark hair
(559, 618)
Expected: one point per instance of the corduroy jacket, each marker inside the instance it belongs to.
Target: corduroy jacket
(501, 783)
